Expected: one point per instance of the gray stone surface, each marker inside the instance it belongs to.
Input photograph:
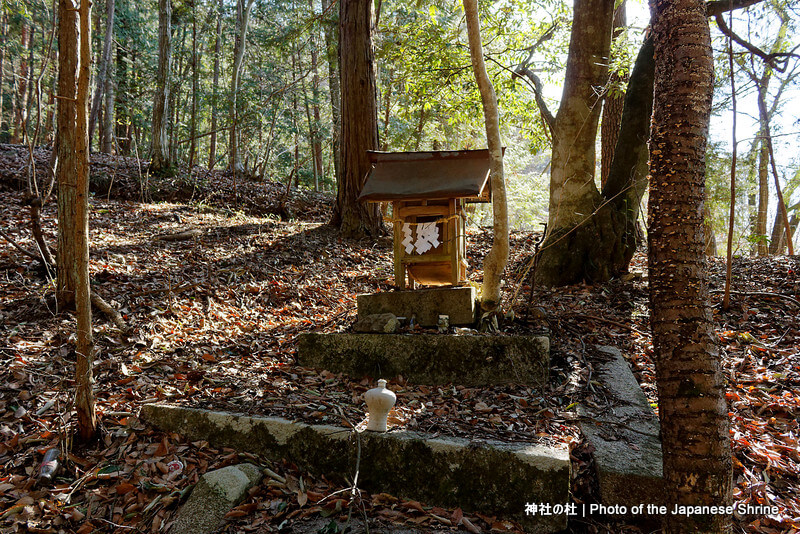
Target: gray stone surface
(485, 476)
(377, 323)
(470, 360)
(215, 495)
(625, 435)
(425, 304)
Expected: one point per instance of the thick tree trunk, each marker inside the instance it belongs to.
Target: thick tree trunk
(691, 386)
(572, 231)
(613, 104)
(242, 19)
(495, 262)
(160, 152)
(359, 119)
(73, 193)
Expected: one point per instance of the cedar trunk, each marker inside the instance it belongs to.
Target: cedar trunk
(691, 386)
(73, 194)
(359, 119)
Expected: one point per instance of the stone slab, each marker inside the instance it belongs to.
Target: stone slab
(470, 360)
(215, 495)
(625, 435)
(478, 476)
(459, 303)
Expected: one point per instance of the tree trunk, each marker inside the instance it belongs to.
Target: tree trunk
(212, 148)
(330, 26)
(572, 232)
(161, 162)
(691, 387)
(73, 194)
(21, 103)
(359, 119)
(760, 230)
(195, 89)
(495, 262)
(109, 142)
(316, 142)
(3, 39)
(104, 67)
(613, 103)
(242, 20)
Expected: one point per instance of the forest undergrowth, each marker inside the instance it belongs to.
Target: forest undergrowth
(216, 279)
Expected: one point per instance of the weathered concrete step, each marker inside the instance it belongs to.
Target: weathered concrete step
(487, 477)
(458, 303)
(430, 358)
(625, 435)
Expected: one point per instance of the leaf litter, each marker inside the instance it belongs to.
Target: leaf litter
(215, 319)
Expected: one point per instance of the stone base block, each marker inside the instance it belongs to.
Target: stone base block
(625, 436)
(483, 476)
(426, 304)
(429, 358)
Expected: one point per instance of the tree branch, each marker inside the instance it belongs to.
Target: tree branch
(548, 117)
(523, 70)
(771, 59)
(717, 7)
(19, 247)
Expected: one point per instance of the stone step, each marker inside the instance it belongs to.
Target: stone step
(469, 360)
(477, 476)
(625, 436)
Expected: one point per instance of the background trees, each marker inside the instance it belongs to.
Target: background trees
(287, 118)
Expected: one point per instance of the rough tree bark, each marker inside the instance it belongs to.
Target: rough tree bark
(160, 153)
(613, 103)
(242, 22)
(495, 262)
(73, 193)
(359, 120)
(691, 387)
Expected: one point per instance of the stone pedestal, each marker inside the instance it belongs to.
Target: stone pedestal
(425, 304)
(470, 360)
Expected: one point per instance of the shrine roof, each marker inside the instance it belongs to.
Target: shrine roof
(427, 175)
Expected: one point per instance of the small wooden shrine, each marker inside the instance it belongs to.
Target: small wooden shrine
(428, 192)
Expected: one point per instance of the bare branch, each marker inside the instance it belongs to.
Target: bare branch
(778, 61)
(548, 117)
(717, 7)
(19, 247)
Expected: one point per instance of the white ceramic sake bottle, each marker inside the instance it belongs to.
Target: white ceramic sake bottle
(379, 402)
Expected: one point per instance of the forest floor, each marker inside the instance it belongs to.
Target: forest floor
(214, 320)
